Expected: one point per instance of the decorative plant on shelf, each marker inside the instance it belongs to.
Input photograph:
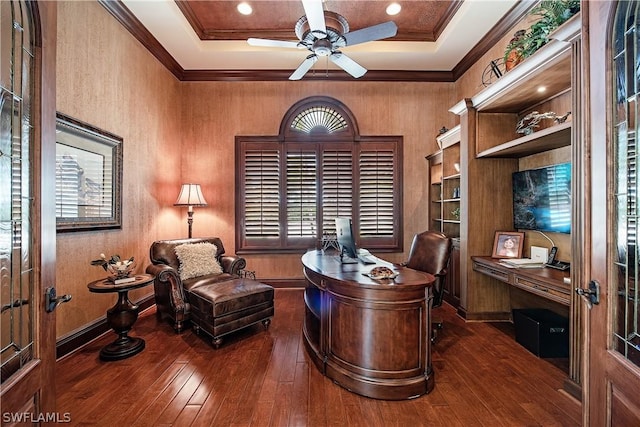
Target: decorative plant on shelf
(552, 13)
(456, 213)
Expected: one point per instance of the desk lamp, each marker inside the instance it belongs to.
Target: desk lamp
(190, 195)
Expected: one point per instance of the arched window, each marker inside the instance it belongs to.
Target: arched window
(292, 186)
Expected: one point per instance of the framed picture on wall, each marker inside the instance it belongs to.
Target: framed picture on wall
(508, 244)
(88, 177)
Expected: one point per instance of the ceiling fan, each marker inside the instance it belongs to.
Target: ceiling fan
(324, 33)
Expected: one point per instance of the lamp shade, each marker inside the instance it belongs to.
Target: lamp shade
(190, 195)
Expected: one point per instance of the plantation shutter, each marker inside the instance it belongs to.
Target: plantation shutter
(301, 197)
(377, 192)
(337, 187)
(261, 187)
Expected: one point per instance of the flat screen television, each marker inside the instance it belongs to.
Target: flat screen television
(346, 242)
(542, 199)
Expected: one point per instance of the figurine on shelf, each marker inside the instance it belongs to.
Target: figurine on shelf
(530, 121)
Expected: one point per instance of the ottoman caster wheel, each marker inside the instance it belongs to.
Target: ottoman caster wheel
(217, 342)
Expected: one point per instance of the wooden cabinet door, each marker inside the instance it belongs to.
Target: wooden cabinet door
(452, 289)
(612, 369)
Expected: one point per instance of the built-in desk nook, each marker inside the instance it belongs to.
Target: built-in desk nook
(545, 282)
(372, 337)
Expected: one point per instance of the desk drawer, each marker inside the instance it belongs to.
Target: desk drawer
(543, 290)
(495, 273)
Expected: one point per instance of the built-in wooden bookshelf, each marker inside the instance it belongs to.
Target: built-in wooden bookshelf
(445, 197)
(492, 150)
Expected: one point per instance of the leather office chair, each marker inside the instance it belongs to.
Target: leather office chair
(430, 252)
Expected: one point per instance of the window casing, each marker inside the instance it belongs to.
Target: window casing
(292, 186)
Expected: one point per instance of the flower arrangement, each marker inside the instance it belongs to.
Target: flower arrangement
(115, 266)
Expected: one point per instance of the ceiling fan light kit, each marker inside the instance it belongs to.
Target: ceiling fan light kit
(324, 33)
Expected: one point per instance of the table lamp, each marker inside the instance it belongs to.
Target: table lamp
(190, 195)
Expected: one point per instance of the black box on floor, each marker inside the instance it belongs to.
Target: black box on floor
(542, 332)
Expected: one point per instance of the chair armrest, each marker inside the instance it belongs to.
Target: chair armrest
(232, 264)
(167, 284)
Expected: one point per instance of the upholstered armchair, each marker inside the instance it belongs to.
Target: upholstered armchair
(171, 301)
(196, 282)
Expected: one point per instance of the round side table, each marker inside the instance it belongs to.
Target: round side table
(121, 316)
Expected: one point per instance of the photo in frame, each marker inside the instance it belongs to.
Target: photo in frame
(508, 244)
(88, 177)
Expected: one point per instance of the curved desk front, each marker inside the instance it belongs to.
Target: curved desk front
(372, 337)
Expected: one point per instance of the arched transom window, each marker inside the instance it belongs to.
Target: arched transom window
(319, 118)
(292, 186)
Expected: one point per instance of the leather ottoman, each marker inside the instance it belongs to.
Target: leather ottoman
(224, 307)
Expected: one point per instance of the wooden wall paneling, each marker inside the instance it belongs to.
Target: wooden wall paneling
(435, 169)
(495, 129)
(560, 104)
(486, 207)
(451, 155)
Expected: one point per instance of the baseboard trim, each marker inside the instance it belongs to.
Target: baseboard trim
(489, 316)
(84, 335)
(573, 389)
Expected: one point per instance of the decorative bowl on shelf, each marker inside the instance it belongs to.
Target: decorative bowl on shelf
(116, 267)
(121, 269)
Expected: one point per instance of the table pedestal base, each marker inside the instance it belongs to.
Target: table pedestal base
(121, 318)
(122, 348)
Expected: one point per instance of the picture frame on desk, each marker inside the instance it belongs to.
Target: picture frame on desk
(508, 244)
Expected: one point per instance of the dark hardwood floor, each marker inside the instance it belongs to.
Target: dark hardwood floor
(483, 378)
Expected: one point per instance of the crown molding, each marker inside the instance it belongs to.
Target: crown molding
(128, 20)
(515, 15)
(330, 75)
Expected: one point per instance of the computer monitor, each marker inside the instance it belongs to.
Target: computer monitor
(346, 242)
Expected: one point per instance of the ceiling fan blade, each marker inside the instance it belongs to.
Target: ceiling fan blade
(375, 32)
(315, 17)
(347, 64)
(273, 43)
(304, 67)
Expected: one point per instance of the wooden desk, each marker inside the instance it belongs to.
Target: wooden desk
(371, 337)
(545, 282)
(121, 317)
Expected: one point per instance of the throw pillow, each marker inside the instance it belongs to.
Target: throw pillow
(197, 259)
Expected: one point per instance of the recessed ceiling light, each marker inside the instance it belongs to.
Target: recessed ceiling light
(394, 8)
(245, 8)
(542, 89)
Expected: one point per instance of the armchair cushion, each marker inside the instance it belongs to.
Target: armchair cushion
(197, 259)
